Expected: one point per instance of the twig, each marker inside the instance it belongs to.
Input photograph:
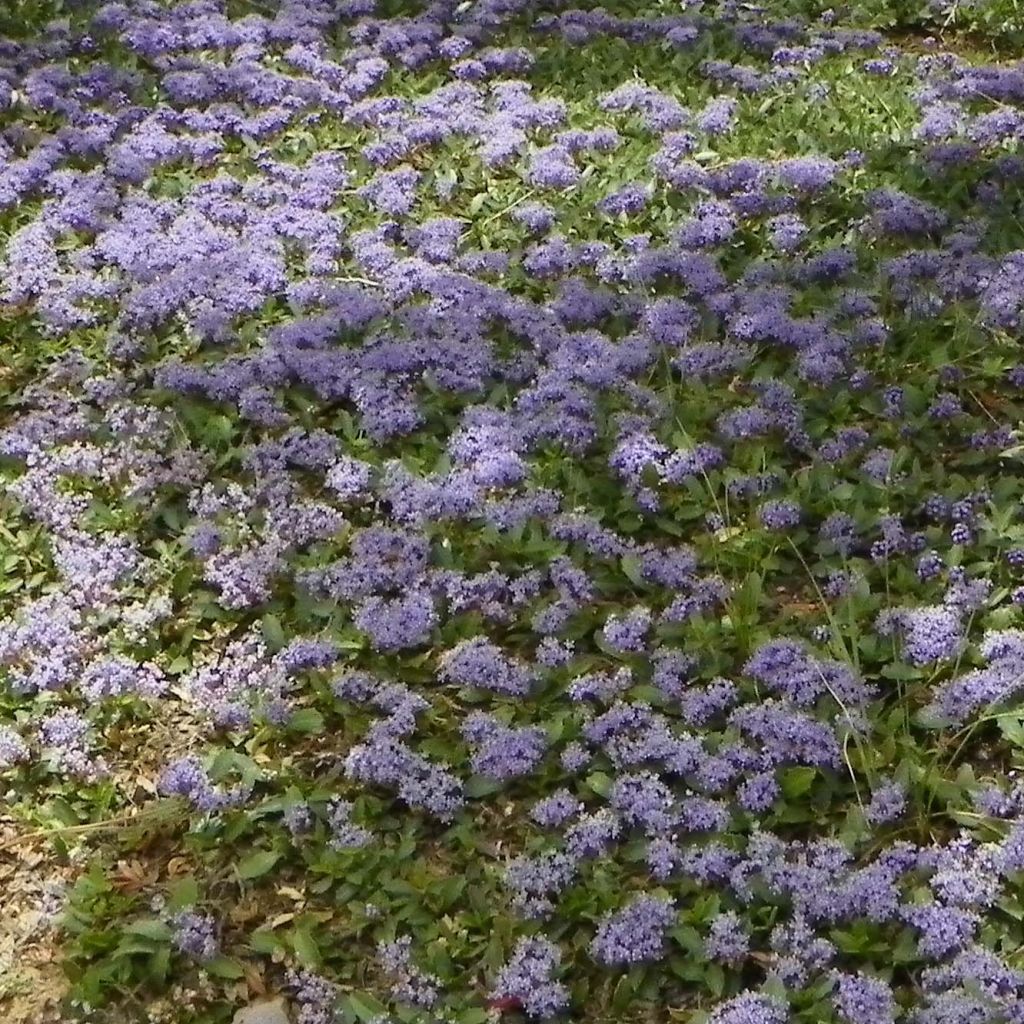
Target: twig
(358, 280)
(66, 830)
(981, 405)
(501, 213)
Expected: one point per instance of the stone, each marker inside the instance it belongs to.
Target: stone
(267, 1011)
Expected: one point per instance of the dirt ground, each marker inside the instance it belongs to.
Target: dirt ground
(32, 983)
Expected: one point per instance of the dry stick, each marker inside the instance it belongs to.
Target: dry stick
(853, 654)
(66, 830)
(981, 405)
(358, 280)
(501, 213)
(854, 731)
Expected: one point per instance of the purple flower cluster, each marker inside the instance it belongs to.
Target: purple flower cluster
(480, 663)
(186, 777)
(979, 689)
(64, 735)
(502, 752)
(409, 984)
(526, 978)
(13, 748)
(635, 933)
(195, 935)
(316, 997)
(344, 834)
(933, 633)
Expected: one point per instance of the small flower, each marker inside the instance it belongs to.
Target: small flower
(195, 935)
(887, 803)
(779, 515)
(961, 534)
(930, 565)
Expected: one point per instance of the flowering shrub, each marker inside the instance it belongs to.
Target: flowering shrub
(510, 510)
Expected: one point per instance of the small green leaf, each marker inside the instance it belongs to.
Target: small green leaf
(63, 812)
(627, 988)
(480, 785)
(776, 988)
(150, 928)
(159, 964)
(264, 941)
(305, 946)
(897, 670)
(600, 783)
(797, 781)
(748, 597)
(633, 570)
(224, 967)
(365, 1007)
(928, 719)
(258, 863)
(183, 893)
(306, 720)
(1012, 728)
(129, 946)
(273, 633)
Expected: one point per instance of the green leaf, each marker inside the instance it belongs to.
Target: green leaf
(627, 988)
(306, 720)
(1012, 728)
(305, 947)
(899, 671)
(273, 632)
(227, 762)
(633, 570)
(224, 967)
(184, 892)
(63, 812)
(150, 928)
(159, 965)
(364, 1006)
(129, 947)
(480, 785)
(258, 863)
(689, 938)
(797, 781)
(179, 665)
(748, 597)
(264, 941)
(930, 720)
(775, 988)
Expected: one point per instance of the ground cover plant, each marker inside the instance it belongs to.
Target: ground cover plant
(511, 511)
